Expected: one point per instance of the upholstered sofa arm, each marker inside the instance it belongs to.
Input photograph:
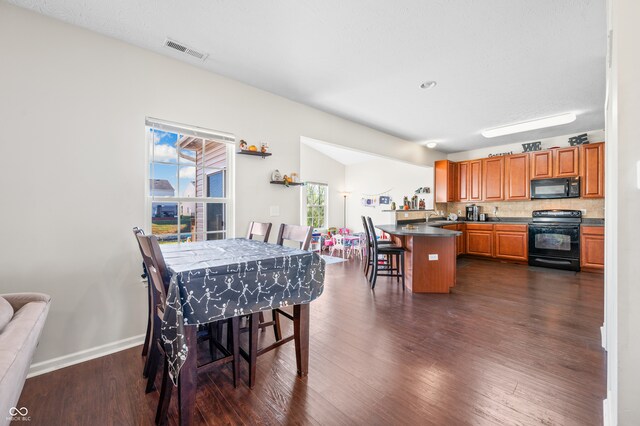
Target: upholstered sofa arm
(18, 300)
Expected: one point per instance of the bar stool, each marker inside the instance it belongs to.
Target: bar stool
(394, 255)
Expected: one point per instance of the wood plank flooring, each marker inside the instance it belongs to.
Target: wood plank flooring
(511, 345)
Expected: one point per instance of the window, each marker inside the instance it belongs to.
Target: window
(189, 189)
(317, 204)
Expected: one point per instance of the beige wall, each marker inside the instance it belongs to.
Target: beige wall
(594, 207)
(73, 105)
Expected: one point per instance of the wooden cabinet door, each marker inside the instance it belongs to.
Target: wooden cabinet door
(565, 162)
(459, 238)
(511, 242)
(445, 176)
(592, 170)
(541, 164)
(452, 182)
(463, 181)
(479, 243)
(516, 171)
(493, 179)
(475, 180)
(592, 248)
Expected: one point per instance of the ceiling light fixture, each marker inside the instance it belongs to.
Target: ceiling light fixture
(429, 144)
(541, 123)
(428, 84)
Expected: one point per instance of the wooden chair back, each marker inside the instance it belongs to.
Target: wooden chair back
(372, 235)
(260, 229)
(300, 234)
(150, 249)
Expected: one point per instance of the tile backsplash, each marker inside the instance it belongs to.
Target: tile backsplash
(594, 207)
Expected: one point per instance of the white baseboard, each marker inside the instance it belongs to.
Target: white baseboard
(606, 417)
(85, 355)
(603, 338)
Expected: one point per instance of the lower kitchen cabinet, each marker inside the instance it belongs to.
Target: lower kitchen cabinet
(511, 242)
(592, 248)
(460, 243)
(479, 241)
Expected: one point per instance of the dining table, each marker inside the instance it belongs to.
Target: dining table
(219, 279)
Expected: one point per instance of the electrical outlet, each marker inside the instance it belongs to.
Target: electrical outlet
(433, 257)
(459, 212)
(584, 211)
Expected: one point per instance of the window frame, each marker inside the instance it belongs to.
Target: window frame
(229, 177)
(305, 205)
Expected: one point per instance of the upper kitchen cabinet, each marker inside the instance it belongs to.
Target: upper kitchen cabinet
(445, 181)
(541, 164)
(475, 181)
(493, 179)
(565, 161)
(516, 168)
(592, 170)
(463, 181)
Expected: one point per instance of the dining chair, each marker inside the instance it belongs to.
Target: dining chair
(260, 229)
(302, 236)
(338, 244)
(369, 246)
(153, 258)
(393, 266)
(145, 346)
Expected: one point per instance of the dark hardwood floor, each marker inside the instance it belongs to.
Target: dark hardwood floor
(511, 345)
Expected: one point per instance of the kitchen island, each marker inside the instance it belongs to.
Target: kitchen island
(430, 258)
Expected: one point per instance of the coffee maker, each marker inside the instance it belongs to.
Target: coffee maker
(473, 212)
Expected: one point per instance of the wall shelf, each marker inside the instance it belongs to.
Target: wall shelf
(281, 182)
(255, 153)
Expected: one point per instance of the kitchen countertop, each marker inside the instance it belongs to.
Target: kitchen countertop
(510, 221)
(422, 230)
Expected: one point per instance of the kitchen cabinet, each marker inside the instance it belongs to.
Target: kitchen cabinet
(493, 179)
(541, 164)
(592, 170)
(460, 243)
(479, 241)
(592, 248)
(565, 162)
(475, 180)
(516, 171)
(445, 181)
(463, 181)
(511, 242)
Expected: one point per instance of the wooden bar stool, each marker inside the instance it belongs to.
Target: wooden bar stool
(393, 266)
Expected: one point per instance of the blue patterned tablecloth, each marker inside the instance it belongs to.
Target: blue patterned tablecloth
(214, 280)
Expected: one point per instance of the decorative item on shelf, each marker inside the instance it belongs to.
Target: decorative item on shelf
(286, 179)
(532, 146)
(421, 204)
(276, 176)
(253, 148)
(582, 139)
(405, 203)
(393, 205)
(264, 147)
(501, 154)
(294, 177)
(246, 149)
(243, 145)
(423, 190)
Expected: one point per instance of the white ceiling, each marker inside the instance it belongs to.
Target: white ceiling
(496, 61)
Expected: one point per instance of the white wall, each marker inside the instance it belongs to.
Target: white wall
(317, 167)
(516, 147)
(73, 105)
(376, 176)
(623, 203)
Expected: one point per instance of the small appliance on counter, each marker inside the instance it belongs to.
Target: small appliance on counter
(473, 212)
(482, 217)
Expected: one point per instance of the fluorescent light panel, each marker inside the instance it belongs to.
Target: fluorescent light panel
(541, 123)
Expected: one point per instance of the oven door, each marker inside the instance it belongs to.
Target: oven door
(550, 188)
(557, 241)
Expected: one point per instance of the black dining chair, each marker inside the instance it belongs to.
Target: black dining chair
(369, 248)
(145, 346)
(394, 264)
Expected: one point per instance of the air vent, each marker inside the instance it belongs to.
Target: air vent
(181, 47)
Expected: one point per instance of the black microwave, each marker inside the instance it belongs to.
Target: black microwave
(555, 188)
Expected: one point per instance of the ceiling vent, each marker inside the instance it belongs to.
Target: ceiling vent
(181, 47)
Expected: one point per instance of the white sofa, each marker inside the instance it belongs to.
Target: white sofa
(21, 322)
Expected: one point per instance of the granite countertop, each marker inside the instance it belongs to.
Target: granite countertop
(509, 221)
(420, 230)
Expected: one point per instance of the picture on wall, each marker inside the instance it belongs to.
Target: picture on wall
(384, 199)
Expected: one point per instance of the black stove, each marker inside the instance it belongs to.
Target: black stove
(554, 239)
